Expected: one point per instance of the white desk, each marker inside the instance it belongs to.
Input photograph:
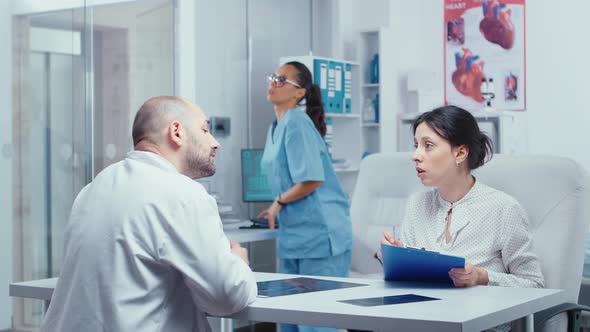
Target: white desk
(251, 235)
(471, 309)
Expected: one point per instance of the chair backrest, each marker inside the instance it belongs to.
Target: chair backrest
(384, 183)
(554, 191)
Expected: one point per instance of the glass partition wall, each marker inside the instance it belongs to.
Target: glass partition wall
(80, 75)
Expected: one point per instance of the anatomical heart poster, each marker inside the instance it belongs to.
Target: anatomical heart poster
(485, 54)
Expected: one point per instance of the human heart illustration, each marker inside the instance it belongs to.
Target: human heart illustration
(468, 76)
(496, 25)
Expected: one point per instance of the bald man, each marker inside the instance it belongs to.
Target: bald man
(144, 246)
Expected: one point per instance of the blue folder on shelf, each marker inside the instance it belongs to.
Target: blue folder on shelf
(338, 87)
(331, 99)
(413, 264)
(347, 79)
(320, 77)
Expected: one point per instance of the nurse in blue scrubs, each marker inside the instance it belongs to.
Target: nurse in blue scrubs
(315, 233)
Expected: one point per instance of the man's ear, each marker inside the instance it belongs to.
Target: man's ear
(176, 134)
(461, 153)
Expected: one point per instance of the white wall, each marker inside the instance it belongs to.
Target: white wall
(221, 77)
(230, 56)
(408, 44)
(323, 25)
(558, 76)
(335, 24)
(412, 41)
(366, 15)
(370, 14)
(275, 29)
(557, 70)
(5, 162)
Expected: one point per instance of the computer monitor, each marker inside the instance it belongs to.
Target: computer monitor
(255, 186)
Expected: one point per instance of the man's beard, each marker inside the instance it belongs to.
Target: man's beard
(199, 165)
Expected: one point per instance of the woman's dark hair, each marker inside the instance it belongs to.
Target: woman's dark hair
(313, 97)
(459, 127)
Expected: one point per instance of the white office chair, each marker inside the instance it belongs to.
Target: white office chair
(554, 191)
(384, 183)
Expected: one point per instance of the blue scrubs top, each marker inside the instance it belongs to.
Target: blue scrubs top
(318, 225)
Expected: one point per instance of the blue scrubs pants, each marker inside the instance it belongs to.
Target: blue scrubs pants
(331, 266)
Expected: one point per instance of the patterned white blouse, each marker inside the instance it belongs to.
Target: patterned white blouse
(488, 227)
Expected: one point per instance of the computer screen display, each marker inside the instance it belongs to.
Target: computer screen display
(255, 186)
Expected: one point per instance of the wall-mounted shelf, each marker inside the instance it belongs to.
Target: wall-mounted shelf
(369, 45)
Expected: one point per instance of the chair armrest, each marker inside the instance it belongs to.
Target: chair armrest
(573, 311)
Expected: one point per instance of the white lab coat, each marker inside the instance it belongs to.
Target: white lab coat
(144, 250)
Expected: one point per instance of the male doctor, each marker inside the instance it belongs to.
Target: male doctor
(144, 246)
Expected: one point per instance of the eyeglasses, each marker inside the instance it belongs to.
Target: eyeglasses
(279, 81)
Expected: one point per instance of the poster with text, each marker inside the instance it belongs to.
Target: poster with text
(484, 50)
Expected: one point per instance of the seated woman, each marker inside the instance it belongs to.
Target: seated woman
(461, 216)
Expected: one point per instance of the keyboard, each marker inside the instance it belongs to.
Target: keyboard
(260, 221)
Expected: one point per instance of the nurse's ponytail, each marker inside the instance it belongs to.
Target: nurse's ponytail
(313, 97)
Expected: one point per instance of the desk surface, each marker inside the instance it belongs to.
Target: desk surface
(251, 235)
(469, 309)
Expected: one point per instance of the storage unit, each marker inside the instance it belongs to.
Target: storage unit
(368, 55)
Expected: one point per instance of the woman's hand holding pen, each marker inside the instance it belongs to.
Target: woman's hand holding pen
(388, 239)
(468, 276)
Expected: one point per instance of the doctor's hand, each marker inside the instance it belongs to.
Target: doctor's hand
(389, 240)
(271, 214)
(239, 251)
(469, 276)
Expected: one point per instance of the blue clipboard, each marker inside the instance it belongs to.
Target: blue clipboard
(412, 264)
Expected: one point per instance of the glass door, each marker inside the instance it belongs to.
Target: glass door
(81, 74)
(50, 158)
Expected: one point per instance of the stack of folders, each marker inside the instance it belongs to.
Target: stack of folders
(335, 81)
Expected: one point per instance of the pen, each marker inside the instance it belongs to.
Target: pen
(378, 259)
(376, 256)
